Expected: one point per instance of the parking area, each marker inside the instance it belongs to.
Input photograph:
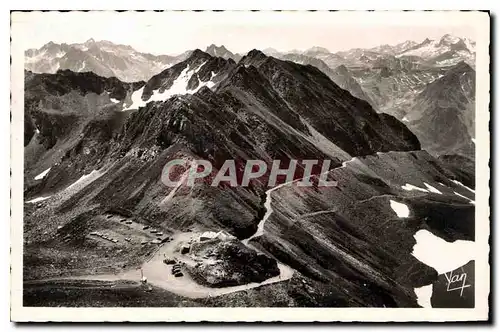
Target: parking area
(118, 230)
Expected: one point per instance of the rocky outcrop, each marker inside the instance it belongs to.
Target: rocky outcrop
(232, 264)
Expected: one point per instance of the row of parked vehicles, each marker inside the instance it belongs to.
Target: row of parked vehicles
(176, 268)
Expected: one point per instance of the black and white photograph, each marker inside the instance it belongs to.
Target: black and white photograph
(276, 161)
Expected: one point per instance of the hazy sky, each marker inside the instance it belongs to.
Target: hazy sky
(176, 32)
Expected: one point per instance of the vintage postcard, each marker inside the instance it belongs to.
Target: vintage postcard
(289, 166)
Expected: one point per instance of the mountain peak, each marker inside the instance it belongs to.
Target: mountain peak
(449, 40)
(218, 49)
(49, 45)
(317, 49)
(222, 52)
(270, 51)
(342, 69)
(90, 41)
(197, 53)
(256, 55)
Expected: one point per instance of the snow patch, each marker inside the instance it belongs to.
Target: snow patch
(60, 54)
(401, 209)
(405, 119)
(410, 187)
(43, 174)
(424, 295)
(344, 163)
(441, 255)
(116, 101)
(136, 100)
(80, 180)
(38, 199)
(432, 189)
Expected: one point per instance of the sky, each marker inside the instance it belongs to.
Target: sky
(175, 32)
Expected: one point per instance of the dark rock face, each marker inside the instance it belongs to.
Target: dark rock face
(70, 116)
(463, 167)
(56, 103)
(66, 81)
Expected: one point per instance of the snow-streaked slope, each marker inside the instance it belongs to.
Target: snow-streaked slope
(467, 198)
(83, 178)
(432, 189)
(463, 185)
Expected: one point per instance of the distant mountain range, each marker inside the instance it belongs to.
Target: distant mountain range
(447, 51)
(389, 77)
(108, 59)
(101, 57)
